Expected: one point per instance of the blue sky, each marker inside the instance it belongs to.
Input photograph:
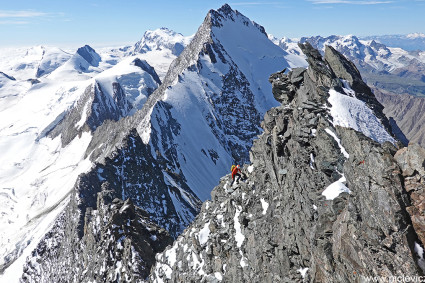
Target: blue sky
(101, 23)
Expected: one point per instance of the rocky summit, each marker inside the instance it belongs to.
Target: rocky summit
(328, 196)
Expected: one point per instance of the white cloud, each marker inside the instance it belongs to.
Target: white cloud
(13, 22)
(21, 14)
(353, 2)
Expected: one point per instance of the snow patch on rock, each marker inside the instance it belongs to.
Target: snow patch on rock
(351, 112)
(335, 189)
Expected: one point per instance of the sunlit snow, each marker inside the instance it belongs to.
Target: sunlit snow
(265, 205)
(303, 271)
(351, 112)
(335, 189)
(338, 141)
(204, 233)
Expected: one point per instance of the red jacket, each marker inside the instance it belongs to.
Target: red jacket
(235, 171)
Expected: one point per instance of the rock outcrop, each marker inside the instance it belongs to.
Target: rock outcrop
(118, 244)
(321, 202)
(91, 111)
(411, 160)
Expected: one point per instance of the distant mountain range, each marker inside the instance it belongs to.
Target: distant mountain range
(396, 75)
(409, 42)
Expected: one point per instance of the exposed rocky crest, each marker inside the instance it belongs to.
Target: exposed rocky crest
(118, 244)
(411, 160)
(282, 224)
(171, 153)
(91, 110)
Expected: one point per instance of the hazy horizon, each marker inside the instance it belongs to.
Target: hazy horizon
(101, 24)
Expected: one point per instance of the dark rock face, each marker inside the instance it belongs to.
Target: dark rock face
(411, 160)
(147, 68)
(89, 54)
(118, 244)
(7, 76)
(398, 132)
(277, 226)
(92, 110)
(136, 174)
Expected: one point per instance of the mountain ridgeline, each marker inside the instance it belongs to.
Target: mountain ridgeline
(322, 202)
(166, 157)
(396, 76)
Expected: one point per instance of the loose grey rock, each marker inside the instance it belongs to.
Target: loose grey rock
(276, 227)
(118, 244)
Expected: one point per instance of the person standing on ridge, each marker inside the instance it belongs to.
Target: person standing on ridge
(236, 170)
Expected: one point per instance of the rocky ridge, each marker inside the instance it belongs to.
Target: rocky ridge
(322, 203)
(118, 243)
(155, 157)
(159, 136)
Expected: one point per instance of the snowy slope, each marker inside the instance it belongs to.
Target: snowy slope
(165, 157)
(29, 63)
(38, 170)
(135, 76)
(171, 153)
(84, 61)
(36, 176)
(160, 47)
(350, 112)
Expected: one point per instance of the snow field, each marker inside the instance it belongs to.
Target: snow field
(351, 112)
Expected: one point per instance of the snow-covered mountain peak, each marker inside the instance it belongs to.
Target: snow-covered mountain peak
(226, 13)
(35, 50)
(90, 55)
(337, 41)
(201, 118)
(84, 61)
(161, 39)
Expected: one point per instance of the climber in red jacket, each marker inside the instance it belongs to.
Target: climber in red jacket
(236, 170)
